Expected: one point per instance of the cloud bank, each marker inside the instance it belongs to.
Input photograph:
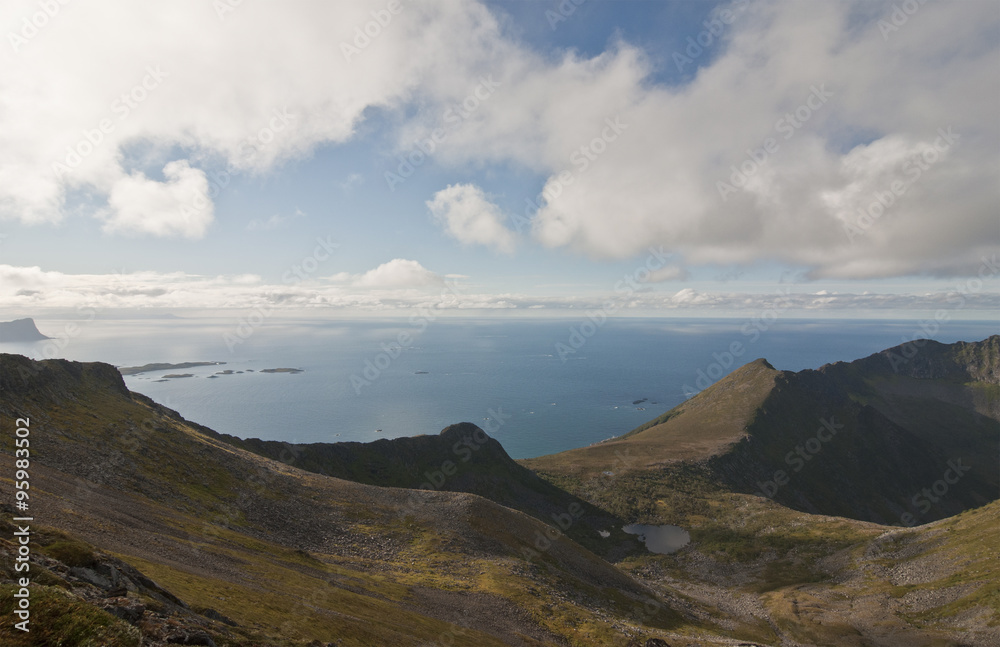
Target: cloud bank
(406, 285)
(850, 139)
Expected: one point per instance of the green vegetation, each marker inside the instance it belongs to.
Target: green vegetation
(692, 431)
(59, 619)
(856, 440)
(71, 553)
(294, 556)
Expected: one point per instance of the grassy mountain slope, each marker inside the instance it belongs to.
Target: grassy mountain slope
(697, 429)
(462, 458)
(824, 580)
(291, 556)
(861, 439)
(828, 581)
(212, 541)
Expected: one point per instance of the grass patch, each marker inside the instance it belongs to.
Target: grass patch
(71, 553)
(59, 619)
(786, 572)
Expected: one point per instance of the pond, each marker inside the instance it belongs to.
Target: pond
(660, 539)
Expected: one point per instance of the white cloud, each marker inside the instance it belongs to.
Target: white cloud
(352, 180)
(276, 221)
(178, 207)
(865, 104)
(469, 217)
(405, 285)
(223, 94)
(668, 273)
(395, 274)
(230, 97)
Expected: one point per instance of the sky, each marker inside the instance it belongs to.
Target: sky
(520, 157)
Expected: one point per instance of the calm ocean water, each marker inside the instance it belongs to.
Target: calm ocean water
(358, 378)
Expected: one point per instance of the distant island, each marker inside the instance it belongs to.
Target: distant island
(281, 370)
(149, 368)
(20, 330)
(175, 375)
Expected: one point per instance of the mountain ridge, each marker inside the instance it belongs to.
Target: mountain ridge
(114, 469)
(461, 458)
(874, 433)
(296, 557)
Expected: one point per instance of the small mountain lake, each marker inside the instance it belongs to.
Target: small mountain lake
(660, 539)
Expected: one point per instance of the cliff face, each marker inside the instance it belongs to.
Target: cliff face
(57, 378)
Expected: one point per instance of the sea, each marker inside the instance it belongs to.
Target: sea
(539, 386)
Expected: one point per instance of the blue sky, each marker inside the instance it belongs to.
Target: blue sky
(717, 155)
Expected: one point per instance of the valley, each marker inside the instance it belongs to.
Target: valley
(796, 489)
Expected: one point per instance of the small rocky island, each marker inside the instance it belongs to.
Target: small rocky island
(281, 370)
(150, 368)
(20, 331)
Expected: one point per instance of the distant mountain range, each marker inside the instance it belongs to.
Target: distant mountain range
(151, 529)
(20, 331)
